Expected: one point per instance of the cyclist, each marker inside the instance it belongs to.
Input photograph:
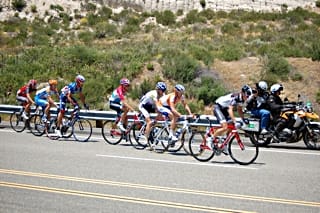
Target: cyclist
(118, 102)
(257, 104)
(147, 104)
(223, 110)
(66, 96)
(43, 98)
(23, 96)
(167, 107)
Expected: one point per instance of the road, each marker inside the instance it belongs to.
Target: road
(42, 175)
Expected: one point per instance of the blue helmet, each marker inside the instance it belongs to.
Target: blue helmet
(179, 88)
(161, 86)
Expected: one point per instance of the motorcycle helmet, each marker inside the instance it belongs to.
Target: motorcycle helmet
(276, 88)
(161, 86)
(262, 85)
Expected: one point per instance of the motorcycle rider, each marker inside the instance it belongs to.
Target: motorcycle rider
(257, 104)
(276, 105)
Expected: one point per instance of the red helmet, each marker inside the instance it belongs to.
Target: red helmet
(125, 82)
(32, 83)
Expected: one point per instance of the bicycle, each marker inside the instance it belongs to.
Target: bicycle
(204, 150)
(113, 135)
(41, 127)
(17, 122)
(159, 136)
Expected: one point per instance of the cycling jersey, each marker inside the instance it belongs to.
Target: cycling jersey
(26, 89)
(165, 100)
(42, 95)
(45, 92)
(117, 95)
(70, 88)
(232, 99)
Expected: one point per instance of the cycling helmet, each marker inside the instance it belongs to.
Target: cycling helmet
(275, 88)
(125, 82)
(246, 90)
(262, 85)
(53, 82)
(161, 86)
(33, 83)
(80, 79)
(179, 88)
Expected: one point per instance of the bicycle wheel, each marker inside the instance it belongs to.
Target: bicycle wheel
(174, 147)
(242, 153)
(66, 128)
(138, 139)
(197, 148)
(159, 139)
(16, 122)
(82, 130)
(111, 135)
(186, 135)
(37, 126)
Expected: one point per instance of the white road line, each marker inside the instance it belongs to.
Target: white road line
(177, 162)
(289, 152)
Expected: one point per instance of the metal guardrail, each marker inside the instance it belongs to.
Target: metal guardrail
(100, 115)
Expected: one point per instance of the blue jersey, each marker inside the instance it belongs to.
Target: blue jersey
(71, 88)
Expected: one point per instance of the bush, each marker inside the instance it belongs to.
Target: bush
(317, 3)
(231, 51)
(166, 18)
(315, 51)
(278, 65)
(34, 8)
(19, 4)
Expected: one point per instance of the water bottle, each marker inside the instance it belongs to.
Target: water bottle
(178, 132)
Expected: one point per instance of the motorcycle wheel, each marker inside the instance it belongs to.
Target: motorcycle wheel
(312, 139)
(254, 138)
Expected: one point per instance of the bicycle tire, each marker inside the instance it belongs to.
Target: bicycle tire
(175, 147)
(159, 140)
(137, 139)
(185, 137)
(37, 126)
(111, 135)
(197, 149)
(241, 153)
(17, 123)
(82, 129)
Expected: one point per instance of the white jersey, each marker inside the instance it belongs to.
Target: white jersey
(232, 99)
(150, 98)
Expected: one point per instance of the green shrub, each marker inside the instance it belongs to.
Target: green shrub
(318, 97)
(317, 3)
(278, 65)
(203, 4)
(315, 51)
(208, 90)
(34, 8)
(231, 28)
(297, 77)
(19, 5)
(56, 7)
(231, 51)
(179, 66)
(166, 18)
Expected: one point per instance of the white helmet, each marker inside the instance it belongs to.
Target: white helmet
(262, 85)
(275, 88)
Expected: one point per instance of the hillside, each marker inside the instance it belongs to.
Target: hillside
(207, 39)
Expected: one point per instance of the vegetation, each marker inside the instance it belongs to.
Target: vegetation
(105, 46)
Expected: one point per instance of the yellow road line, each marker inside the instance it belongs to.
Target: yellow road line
(120, 198)
(168, 189)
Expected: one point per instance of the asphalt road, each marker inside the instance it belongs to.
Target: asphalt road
(42, 175)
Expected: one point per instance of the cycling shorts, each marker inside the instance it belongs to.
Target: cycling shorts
(41, 102)
(146, 109)
(116, 106)
(221, 113)
(63, 102)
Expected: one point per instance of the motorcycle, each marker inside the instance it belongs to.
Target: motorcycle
(300, 125)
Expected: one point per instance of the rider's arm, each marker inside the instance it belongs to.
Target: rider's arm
(30, 99)
(69, 97)
(186, 106)
(82, 98)
(125, 103)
